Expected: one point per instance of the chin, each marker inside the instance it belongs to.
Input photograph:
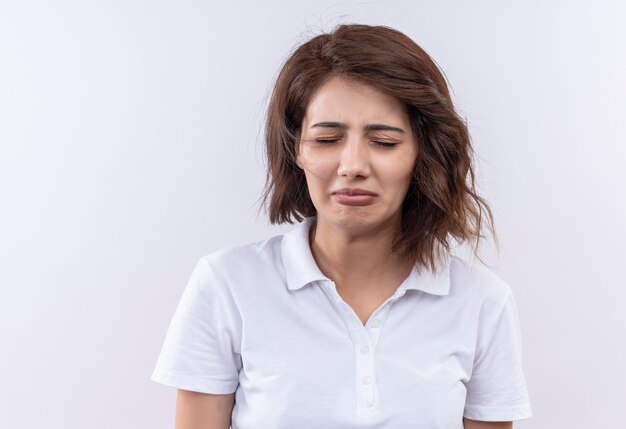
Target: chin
(357, 219)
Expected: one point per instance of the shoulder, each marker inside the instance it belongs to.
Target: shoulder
(472, 280)
(267, 257)
(245, 250)
(250, 258)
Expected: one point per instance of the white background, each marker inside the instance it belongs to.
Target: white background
(131, 145)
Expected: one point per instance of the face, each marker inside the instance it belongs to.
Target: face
(357, 151)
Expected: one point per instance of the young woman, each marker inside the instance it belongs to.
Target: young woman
(359, 317)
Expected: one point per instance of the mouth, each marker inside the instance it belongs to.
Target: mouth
(354, 197)
(354, 192)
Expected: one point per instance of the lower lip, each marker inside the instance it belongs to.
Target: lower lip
(354, 200)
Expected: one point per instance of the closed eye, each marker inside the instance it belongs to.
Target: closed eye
(386, 145)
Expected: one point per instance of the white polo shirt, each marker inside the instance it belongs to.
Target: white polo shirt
(262, 320)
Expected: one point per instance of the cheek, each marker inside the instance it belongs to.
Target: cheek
(319, 167)
(399, 169)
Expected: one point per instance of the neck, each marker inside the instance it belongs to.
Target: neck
(364, 259)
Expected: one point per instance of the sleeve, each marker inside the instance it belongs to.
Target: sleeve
(496, 390)
(202, 347)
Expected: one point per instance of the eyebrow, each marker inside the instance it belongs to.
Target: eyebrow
(368, 127)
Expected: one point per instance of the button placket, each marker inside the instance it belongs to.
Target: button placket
(365, 371)
(364, 340)
(373, 327)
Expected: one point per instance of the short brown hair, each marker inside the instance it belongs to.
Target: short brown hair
(441, 202)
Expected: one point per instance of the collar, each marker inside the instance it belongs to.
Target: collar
(300, 266)
(437, 283)
(301, 269)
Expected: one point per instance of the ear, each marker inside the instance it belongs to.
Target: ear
(297, 152)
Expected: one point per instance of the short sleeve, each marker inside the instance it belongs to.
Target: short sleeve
(202, 347)
(496, 390)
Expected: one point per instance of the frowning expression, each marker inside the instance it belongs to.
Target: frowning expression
(357, 150)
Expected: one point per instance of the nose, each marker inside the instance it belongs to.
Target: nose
(354, 159)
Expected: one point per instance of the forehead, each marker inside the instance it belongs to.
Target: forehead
(350, 101)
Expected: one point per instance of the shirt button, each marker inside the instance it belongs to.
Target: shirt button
(375, 323)
(366, 379)
(365, 350)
